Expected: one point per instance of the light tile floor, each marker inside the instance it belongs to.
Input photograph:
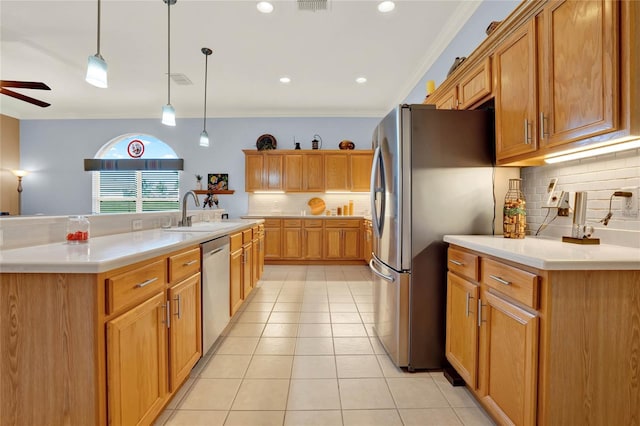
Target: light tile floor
(302, 352)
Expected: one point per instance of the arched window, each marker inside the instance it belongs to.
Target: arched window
(135, 191)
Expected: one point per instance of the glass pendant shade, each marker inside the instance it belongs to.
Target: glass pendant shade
(168, 115)
(204, 139)
(97, 71)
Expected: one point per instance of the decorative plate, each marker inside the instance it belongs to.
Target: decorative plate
(266, 142)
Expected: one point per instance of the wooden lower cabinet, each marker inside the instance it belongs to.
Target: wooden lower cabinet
(342, 244)
(313, 243)
(292, 239)
(272, 239)
(367, 241)
(185, 329)
(137, 373)
(260, 251)
(552, 348)
(235, 273)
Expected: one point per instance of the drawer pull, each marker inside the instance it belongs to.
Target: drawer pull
(191, 262)
(455, 262)
(146, 283)
(500, 280)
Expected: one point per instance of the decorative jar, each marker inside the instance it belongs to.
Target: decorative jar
(514, 216)
(77, 229)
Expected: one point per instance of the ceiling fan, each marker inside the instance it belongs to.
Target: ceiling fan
(24, 85)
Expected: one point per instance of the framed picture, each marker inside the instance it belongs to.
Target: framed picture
(218, 181)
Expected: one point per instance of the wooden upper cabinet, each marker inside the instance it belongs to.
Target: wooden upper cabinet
(580, 68)
(448, 101)
(515, 102)
(475, 85)
(360, 165)
(303, 172)
(273, 172)
(253, 171)
(336, 172)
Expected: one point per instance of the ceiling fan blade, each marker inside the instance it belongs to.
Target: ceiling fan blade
(23, 97)
(24, 84)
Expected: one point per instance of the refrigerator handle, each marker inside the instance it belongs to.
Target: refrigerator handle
(380, 274)
(377, 170)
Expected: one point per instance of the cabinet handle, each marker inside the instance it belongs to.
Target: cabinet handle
(455, 262)
(543, 134)
(167, 314)
(177, 299)
(480, 305)
(527, 136)
(500, 280)
(468, 298)
(146, 283)
(189, 263)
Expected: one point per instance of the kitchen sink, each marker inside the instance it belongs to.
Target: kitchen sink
(204, 227)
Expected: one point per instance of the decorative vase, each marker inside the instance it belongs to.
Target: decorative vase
(199, 185)
(514, 216)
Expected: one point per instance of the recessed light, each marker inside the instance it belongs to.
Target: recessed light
(386, 6)
(361, 80)
(285, 80)
(265, 7)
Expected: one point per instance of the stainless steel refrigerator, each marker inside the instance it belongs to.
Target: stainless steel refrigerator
(432, 175)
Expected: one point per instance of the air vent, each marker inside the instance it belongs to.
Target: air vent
(312, 5)
(181, 80)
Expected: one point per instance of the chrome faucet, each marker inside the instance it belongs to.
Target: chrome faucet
(186, 220)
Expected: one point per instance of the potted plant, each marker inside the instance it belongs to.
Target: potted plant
(198, 181)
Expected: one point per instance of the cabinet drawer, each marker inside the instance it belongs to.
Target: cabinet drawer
(513, 282)
(462, 263)
(291, 223)
(342, 223)
(235, 241)
(135, 285)
(313, 223)
(184, 265)
(247, 235)
(272, 223)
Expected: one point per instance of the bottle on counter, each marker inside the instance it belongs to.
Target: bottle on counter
(514, 213)
(77, 229)
(350, 207)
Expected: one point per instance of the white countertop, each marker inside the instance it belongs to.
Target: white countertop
(551, 254)
(300, 216)
(105, 253)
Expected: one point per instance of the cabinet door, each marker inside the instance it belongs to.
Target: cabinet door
(580, 73)
(462, 327)
(475, 85)
(449, 100)
(351, 243)
(255, 259)
(314, 172)
(510, 373)
(261, 254)
(333, 243)
(516, 106)
(137, 373)
(273, 172)
(185, 332)
(253, 172)
(292, 243)
(367, 243)
(313, 243)
(247, 276)
(293, 172)
(336, 172)
(272, 243)
(235, 281)
(360, 171)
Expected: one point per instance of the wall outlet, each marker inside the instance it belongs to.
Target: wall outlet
(630, 204)
(136, 224)
(552, 196)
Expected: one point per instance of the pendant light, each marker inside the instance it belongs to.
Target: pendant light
(204, 136)
(97, 67)
(168, 112)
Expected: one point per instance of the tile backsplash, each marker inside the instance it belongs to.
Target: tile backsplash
(600, 177)
(296, 203)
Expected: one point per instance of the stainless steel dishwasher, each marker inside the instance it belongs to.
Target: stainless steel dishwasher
(215, 290)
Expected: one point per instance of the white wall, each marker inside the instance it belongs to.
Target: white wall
(53, 151)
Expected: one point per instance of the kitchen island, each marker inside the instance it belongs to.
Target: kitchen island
(76, 319)
(545, 332)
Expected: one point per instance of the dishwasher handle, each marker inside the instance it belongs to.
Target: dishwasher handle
(212, 252)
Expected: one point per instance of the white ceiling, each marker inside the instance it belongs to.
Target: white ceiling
(322, 52)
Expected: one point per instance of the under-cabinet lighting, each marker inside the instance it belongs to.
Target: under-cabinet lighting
(623, 145)
(346, 192)
(268, 192)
